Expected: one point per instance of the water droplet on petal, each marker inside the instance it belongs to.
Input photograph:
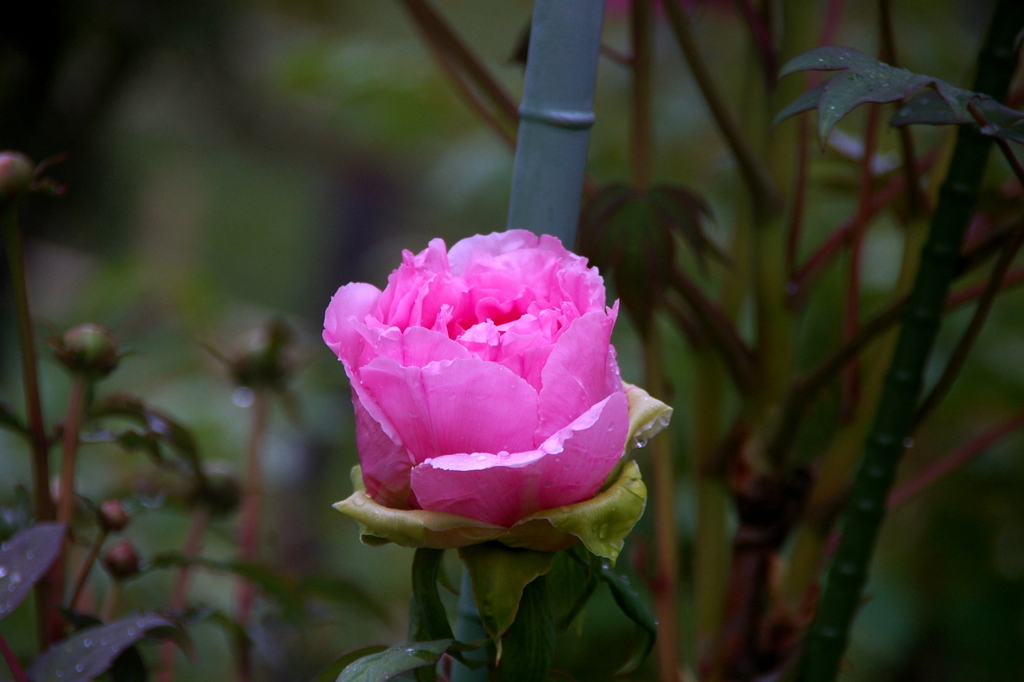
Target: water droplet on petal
(15, 579)
(611, 426)
(30, 555)
(3, 571)
(504, 454)
(481, 458)
(358, 502)
(87, 642)
(79, 668)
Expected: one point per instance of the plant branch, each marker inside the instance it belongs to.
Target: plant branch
(440, 34)
(762, 38)
(865, 510)
(767, 198)
(249, 529)
(643, 141)
(72, 425)
(963, 347)
(851, 313)
(739, 359)
(83, 571)
(665, 584)
(12, 661)
(959, 457)
(179, 591)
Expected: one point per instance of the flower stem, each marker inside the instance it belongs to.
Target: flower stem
(110, 601)
(72, 425)
(828, 636)
(249, 530)
(179, 591)
(12, 661)
(643, 141)
(665, 584)
(469, 628)
(83, 572)
(44, 507)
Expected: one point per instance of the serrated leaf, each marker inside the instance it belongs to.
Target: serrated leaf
(24, 559)
(529, 645)
(863, 80)
(636, 609)
(388, 664)
(92, 651)
(499, 574)
(683, 211)
(929, 108)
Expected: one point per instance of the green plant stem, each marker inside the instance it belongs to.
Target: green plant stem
(828, 635)
(12, 661)
(45, 510)
(469, 628)
(83, 571)
(665, 584)
(754, 172)
(643, 141)
(711, 547)
(179, 591)
(249, 529)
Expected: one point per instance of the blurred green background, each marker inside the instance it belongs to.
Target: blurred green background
(234, 160)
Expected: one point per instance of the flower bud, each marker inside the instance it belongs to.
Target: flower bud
(122, 560)
(265, 358)
(16, 171)
(89, 350)
(219, 491)
(113, 516)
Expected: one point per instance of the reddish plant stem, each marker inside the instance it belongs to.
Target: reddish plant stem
(66, 502)
(807, 274)
(971, 293)
(851, 314)
(12, 661)
(179, 591)
(959, 457)
(665, 584)
(830, 25)
(642, 146)
(83, 572)
(437, 31)
(762, 39)
(249, 530)
(44, 507)
(796, 222)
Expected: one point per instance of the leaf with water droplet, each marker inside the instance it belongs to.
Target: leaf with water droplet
(24, 559)
(72, 661)
(864, 79)
(388, 664)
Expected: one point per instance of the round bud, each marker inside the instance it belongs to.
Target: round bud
(113, 516)
(220, 491)
(264, 358)
(88, 349)
(16, 171)
(121, 560)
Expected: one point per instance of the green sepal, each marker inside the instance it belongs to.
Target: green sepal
(499, 574)
(601, 522)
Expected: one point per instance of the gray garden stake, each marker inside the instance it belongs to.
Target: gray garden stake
(547, 177)
(555, 117)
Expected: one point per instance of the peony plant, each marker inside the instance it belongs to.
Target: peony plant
(489, 406)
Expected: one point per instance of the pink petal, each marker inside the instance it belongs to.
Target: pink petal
(493, 244)
(385, 463)
(416, 346)
(503, 488)
(580, 372)
(463, 405)
(345, 320)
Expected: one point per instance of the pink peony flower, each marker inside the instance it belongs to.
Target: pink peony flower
(483, 378)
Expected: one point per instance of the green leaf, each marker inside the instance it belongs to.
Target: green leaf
(529, 644)
(635, 608)
(572, 580)
(389, 663)
(24, 559)
(498, 575)
(157, 425)
(91, 652)
(428, 614)
(863, 79)
(930, 109)
(331, 672)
